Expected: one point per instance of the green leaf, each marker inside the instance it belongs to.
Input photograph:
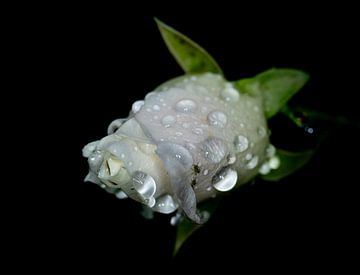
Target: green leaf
(185, 228)
(190, 56)
(289, 163)
(275, 86)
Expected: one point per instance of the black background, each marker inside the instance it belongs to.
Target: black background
(97, 63)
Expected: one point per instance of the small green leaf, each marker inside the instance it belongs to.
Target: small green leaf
(190, 56)
(275, 86)
(289, 163)
(185, 228)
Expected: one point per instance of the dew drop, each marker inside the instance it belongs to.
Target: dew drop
(229, 94)
(185, 106)
(214, 149)
(137, 106)
(167, 121)
(274, 162)
(156, 107)
(209, 188)
(261, 132)
(231, 159)
(248, 156)
(175, 219)
(264, 169)
(198, 131)
(217, 119)
(241, 143)
(252, 163)
(144, 184)
(225, 180)
(270, 151)
(206, 171)
(165, 204)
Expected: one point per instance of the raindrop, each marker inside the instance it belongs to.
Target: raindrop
(217, 119)
(156, 107)
(185, 106)
(144, 184)
(241, 143)
(175, 219)
(137, 106)
(198, 131)
(225, 180)
(165, 204)
(261, 132)
(252, 163)
(274, 162)
(230, 94)
(209, 188)
(248, 156)
(264, 169)
(167, 121)
(214, 149)
(231, 159)
(206, 171)
(121, 195)
(270, 151)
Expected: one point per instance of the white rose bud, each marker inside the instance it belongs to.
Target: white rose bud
(190, 139)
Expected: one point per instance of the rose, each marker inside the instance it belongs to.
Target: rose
(189, 140)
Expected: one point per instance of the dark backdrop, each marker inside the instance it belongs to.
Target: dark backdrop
(99, 63)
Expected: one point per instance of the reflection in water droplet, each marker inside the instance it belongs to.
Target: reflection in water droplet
(225, 180)
(185, 106)
(137, 106)
(274, 162)
(264, 169)
(241, 143)
(156, 107)
(167, 121)
(214, 149)
(229, 94)
(217, 119)
(270, 151)
(252, 163)
(165, 204)
(144, 184)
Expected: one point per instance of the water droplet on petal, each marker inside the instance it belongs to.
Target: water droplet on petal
(137, 106)
(175, 219)
(156, 107)
(167, 121)
(248, 156)
(206, 171)
(252, 163)
(144, 184)
(217, 119)
(265, 169)
(186, 106)
(231, 159)
(165, 204)
(214, 149)
(225, 180)
(121, 195)
(261, 132)
(241, 143)
(230, 94)
(270, 151)
(274, 162)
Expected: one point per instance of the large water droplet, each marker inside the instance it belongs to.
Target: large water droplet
(185, 106)
(241, 143)
(225, 180)
(252, 163)
(137, 106)
(214, 149)
(265, 169)
(217, 119)
(274, 162)
(167, 121)
(270, 151)
(175, 219)
(144, 184)
(165, 204)
(230, 94)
